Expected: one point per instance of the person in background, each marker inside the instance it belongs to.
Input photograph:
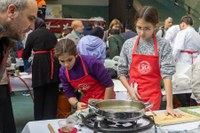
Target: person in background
(186, 45)
(129, 33)
(19, 51)
(98, 24)
(93, 45)
(77, 32)
(16, 18)
(145, 60)
(27, 63)
(83, 73)
(185, 51)
(195, 83)
(171, 34)
(64, 33)
(45, 70)
(41, 3)
(115, 43)
(41, 9)
(162, 30)
(87, 28)
(116, 25)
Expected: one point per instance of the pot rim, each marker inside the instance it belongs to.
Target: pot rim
(119, 116)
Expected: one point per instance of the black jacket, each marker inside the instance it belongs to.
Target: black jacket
(41, 39)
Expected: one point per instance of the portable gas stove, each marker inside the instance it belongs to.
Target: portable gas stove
(101, 124)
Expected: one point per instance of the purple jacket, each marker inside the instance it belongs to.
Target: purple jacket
(94, 67)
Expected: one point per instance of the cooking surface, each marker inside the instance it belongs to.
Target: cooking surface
(93, 122)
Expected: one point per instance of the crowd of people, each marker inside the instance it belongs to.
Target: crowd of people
(78, 59)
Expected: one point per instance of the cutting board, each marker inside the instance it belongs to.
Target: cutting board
(162, 120)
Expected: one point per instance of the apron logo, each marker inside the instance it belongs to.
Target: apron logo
(144, 67)
(83, 86)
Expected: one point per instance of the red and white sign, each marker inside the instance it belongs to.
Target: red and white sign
(57, 25)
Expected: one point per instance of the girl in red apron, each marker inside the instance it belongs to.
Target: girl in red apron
(142, 58)
(83, 73)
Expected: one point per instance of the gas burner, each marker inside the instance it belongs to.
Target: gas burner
(108, 124)
(101, 124)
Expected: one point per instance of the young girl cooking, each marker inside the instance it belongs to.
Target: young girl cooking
(81, 72)
(145, 60)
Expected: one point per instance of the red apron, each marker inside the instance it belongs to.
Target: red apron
(145, 71)
(88, 85)
(51, 57)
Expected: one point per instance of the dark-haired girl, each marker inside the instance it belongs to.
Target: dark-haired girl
(145, 60)
(84, 73)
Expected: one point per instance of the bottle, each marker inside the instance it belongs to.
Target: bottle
(16, 72)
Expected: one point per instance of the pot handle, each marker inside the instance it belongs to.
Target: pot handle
(148, 105)
(92, 105)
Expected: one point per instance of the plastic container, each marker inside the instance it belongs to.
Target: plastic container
(66, 125)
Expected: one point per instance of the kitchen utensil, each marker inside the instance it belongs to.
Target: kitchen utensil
(51, 128)
(120, 110)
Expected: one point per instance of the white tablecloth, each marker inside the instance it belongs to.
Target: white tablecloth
(18, 85)
(118, 87)
(42, 127)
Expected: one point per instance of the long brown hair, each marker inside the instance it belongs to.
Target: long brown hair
(65, 46)
(149, 14)
(114, 22)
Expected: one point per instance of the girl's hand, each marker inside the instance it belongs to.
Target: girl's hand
(81, 106)
(133, 92)
(173, 113)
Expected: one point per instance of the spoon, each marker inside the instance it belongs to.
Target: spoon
(51, 128)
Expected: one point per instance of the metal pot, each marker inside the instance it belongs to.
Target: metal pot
(120, 110)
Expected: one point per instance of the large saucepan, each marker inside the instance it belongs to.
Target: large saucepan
(120, 110)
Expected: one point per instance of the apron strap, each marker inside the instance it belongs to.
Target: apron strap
(84, 69)
(136, 44)
(67, 75)
(155, 45)
(190, 53)
(51, 57)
